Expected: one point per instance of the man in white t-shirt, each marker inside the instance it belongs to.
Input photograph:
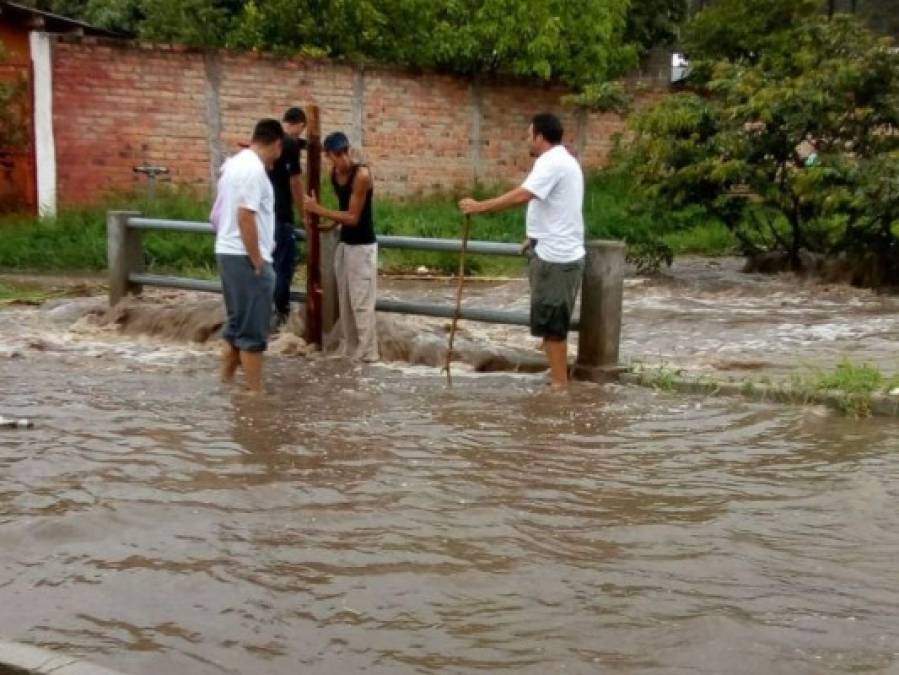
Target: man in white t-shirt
(554, 193)
(244, 219)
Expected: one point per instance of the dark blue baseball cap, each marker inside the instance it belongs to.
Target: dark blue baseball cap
(336, 143)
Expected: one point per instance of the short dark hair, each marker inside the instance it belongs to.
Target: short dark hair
(336, 143)
(267, 131)
(549, 126)
(295, 116)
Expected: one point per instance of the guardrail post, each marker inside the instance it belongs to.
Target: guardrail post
(124, 253)
(328, 239)
(601, 300)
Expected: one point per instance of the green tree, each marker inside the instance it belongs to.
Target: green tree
(575, 41)
(789, 137)
(655, 23)
(199, 23)
(13, 108)
(881, 15)
(737, 30)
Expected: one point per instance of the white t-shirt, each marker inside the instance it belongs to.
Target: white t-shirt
(245, 184)
(555, 218)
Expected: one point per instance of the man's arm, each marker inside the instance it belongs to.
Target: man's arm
(517, 197)
(349, 218)
(246, 220)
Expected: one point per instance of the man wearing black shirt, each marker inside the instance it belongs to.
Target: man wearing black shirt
(286, 178)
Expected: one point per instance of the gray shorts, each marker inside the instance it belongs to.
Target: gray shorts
(248, 302)
(554, 289)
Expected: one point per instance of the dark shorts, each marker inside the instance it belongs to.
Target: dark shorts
(248, 302)
(554, 289)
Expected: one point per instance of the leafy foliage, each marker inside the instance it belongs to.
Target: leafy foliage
(655, 23)
(574, 41)
(13, 108)
(789, 134)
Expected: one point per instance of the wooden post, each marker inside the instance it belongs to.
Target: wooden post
(313, 241)
(330, 311)
(124, 254)
(601, 300)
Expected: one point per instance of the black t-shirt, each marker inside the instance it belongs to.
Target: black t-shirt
(288, 165)
(364, 231)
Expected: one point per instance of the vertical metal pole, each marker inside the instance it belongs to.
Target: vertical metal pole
(313, 242)
(601, 304)
(124, 253)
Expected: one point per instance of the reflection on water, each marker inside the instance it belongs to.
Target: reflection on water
(369, 519)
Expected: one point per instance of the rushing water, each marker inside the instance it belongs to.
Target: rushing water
(370, 520)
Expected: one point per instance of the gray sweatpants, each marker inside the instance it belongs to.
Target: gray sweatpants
(356, 268)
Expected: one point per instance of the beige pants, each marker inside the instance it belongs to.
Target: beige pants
(356, 268)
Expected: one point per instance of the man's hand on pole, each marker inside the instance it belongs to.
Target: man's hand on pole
(470, 206)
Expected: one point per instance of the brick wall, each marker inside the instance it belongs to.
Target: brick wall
(120, 104)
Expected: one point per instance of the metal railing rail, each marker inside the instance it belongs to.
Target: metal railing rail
(600, 300)
(384, 240)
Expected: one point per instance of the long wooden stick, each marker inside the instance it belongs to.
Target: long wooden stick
(452, 335)
(313, 245)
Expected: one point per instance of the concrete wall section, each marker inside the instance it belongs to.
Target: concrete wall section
(44, 141)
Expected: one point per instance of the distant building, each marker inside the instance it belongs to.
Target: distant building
(27, 61)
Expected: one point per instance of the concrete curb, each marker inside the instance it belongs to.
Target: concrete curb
(20, 659)
(880, 405)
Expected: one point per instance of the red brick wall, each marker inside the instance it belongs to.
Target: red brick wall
(117, 105)
(417, 131)
(115, 108)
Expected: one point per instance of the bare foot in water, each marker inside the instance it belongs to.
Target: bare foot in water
(230, 362)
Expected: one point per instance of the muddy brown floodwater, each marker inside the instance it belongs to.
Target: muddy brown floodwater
(370, 520)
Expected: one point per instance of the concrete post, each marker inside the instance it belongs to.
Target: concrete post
(124, 253)
(601, 299)
(330, 312)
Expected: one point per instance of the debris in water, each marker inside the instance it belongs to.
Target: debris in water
(288, 344)
(6, 423)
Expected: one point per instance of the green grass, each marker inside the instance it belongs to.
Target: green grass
(848, 386)
(855, 383)
(34, 293)
(76, 239)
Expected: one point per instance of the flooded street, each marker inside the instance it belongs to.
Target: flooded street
(370, 520)
(706, 316)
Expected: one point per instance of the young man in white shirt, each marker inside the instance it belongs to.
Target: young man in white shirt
(554, 193)
(245, 239)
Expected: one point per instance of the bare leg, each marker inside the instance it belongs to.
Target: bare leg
(557, 353)
(252, 367)
(230, 361)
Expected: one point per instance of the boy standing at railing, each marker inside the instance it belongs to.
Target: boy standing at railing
(356, 258)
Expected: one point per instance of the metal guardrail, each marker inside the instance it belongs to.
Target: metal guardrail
(384, 240)
(486, 315)
(599, 326)
(387, 305)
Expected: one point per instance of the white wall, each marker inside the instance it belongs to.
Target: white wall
(44, 144)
